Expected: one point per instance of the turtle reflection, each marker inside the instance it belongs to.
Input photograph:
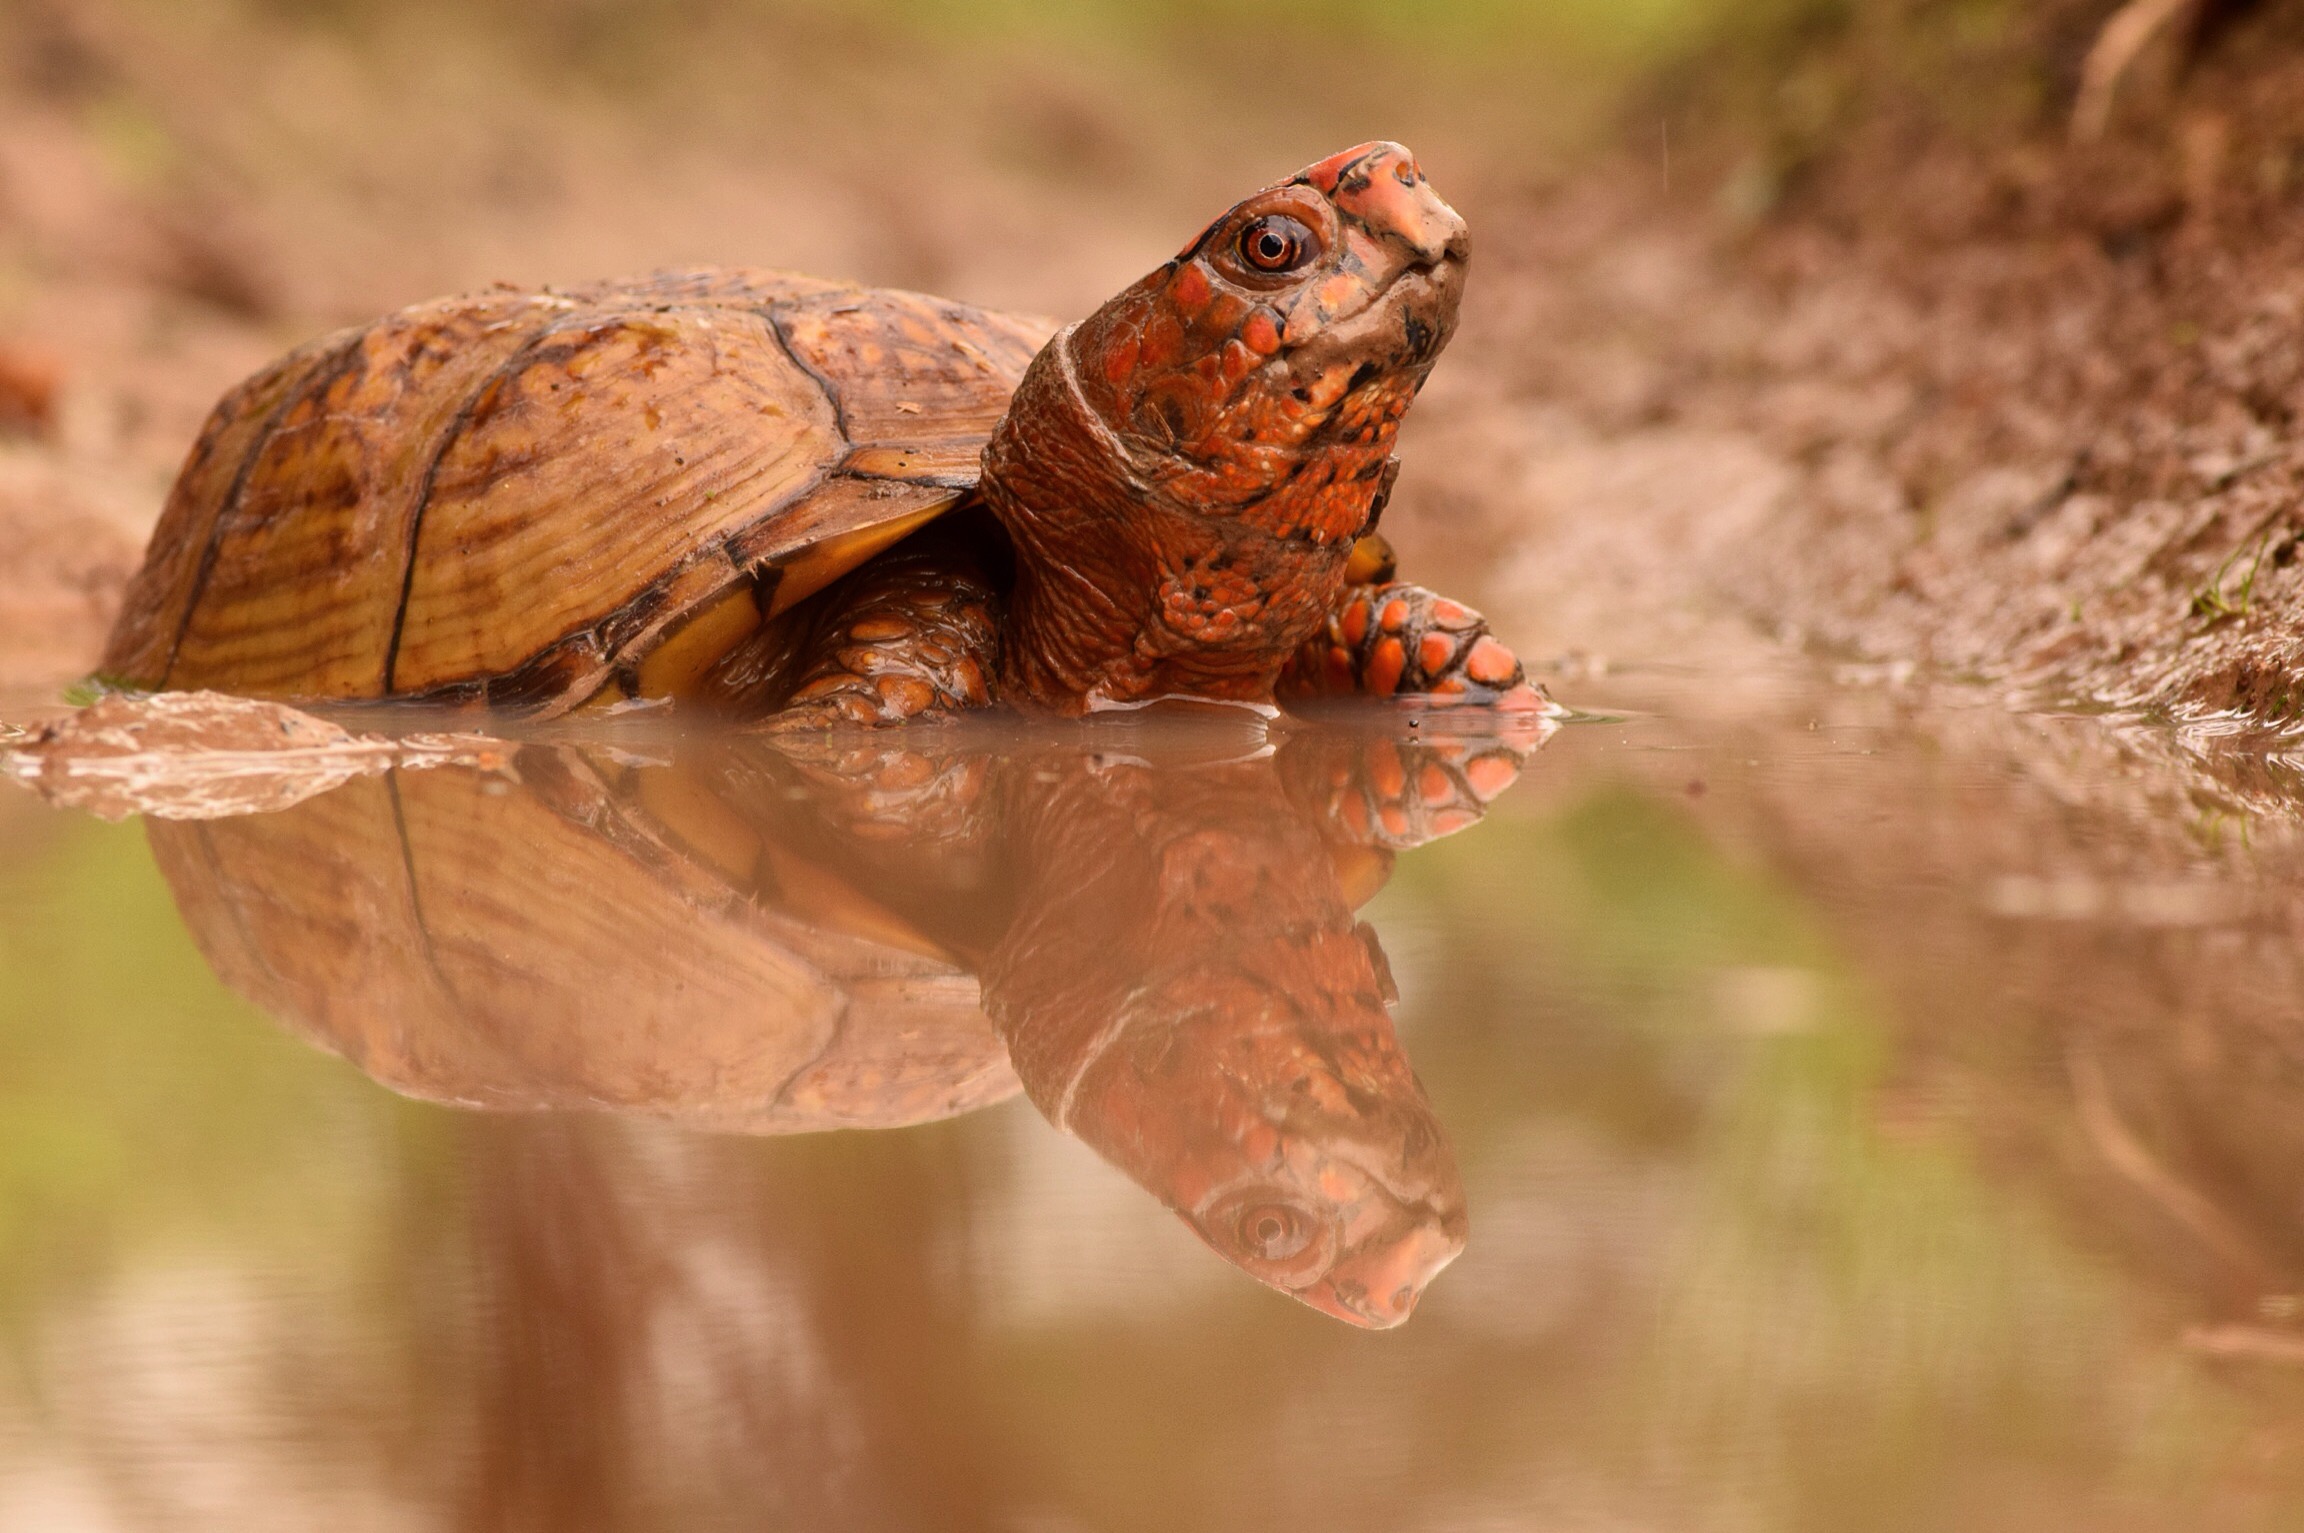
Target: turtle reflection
(1158, 946)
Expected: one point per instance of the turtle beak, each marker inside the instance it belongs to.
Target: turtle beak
(1380, 188)
(1377, 1288)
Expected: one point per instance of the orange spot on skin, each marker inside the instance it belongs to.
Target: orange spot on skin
(1435, 787)
(1335, 295)
(876, 628)
(1435, 653)
(1394, 819)
(1491, 775)
(1122, 361)
(1385, 772)
(1385, 666)
(1452, 614)
(1491, 663)
(1355, 623)
(1449, 821)
(1239, 361)
(1163, 342)
(1190, 290)
(1394, 616)
(1261, 334)
(1524, 699)
(1324, 174)
(1260, 1143)
(1451, 687)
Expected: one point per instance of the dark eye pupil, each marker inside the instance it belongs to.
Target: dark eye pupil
(1274, 244)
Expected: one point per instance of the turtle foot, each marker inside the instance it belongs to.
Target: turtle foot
(910, 638)
(1402, 640)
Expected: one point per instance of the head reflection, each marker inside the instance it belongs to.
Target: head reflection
(1159, 945)
(1185, 987)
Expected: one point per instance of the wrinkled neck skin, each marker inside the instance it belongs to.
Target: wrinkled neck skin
(1127, 591)
(1183, 474)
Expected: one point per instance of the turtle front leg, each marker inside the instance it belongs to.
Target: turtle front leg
(913, 635)
(1395, 639)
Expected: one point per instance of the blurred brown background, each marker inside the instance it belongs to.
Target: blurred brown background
(1951, 331)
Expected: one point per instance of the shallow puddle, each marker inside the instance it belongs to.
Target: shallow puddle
(1812, 1106)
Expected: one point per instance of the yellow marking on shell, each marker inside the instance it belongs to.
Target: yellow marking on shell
(816, 567)
(826, 899)
(704, 824)
(678, 663)
(961, 460)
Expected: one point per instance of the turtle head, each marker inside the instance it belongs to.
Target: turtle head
(1258, 1090)
(1206, 447)
(1325, 1175)
(1279, 350)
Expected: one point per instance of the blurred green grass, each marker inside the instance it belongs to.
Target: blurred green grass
(144, 1108)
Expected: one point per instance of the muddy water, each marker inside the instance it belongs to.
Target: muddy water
(1819, 1105)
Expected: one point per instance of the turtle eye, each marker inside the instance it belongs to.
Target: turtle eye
(1274, 1232)
(1277, 243)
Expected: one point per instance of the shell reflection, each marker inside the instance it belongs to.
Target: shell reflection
(1159, 947)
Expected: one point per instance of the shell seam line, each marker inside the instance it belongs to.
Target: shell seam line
(448, 440)
(768, 313)
(334, 366)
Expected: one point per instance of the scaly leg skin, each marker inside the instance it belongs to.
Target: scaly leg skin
(915, 634)
(1396, 639)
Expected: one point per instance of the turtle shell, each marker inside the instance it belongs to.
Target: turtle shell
(582, 934)
(525, 497)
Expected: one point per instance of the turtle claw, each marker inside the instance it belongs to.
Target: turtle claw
(1403, 641)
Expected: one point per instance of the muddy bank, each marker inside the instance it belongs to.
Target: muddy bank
(2018, 405)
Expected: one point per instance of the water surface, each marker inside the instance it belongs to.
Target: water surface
(1822, 1106)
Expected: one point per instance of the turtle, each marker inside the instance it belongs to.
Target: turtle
(780, 497)
(1157, 946)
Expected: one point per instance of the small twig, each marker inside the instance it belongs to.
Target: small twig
(2126, 1154)
(2133, 28)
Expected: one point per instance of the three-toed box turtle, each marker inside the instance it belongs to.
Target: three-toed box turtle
(787, 496)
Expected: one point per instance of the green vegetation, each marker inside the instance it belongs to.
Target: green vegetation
(144, 1109)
